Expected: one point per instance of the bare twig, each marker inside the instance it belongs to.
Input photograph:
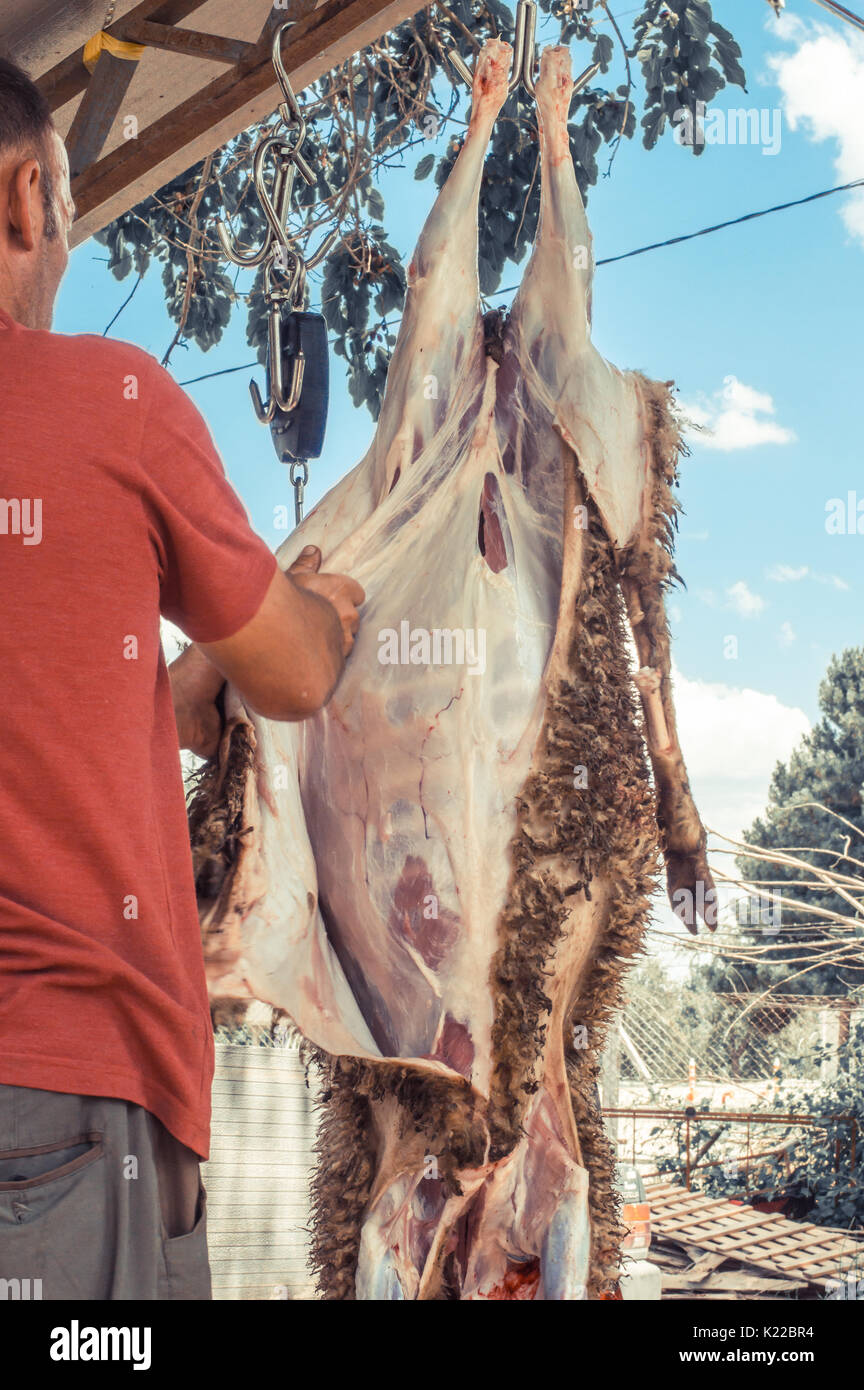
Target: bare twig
(629, 74)
(111, 322)
(191, 258)
(445, 10)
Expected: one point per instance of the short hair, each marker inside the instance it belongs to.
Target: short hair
(25, 124)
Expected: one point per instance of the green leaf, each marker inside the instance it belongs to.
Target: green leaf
(487, 273)
(706, 85)
(603, 51)
(652, 125)
(375, 204)
(696, 20)
(651, 71)
(732, 69)
(424, 166)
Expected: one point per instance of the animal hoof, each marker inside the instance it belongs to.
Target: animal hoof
(556, 78)
(492, 73)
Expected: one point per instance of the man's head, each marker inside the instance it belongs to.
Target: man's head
(36, 209)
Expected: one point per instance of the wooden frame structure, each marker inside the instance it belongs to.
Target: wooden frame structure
(789, 1249)
(134, 123)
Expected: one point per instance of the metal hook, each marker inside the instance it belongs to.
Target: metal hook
(289, 160)
(523, 49)
(289, 109)
(278, 253)
(524, 54)
(275, 211)
(276, 297)
(283, 187)
(277, 396)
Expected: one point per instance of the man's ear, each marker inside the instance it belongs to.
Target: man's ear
(25, 202)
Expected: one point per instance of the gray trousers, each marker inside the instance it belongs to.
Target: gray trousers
(97, 1201)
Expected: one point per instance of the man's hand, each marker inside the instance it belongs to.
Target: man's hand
(287, 660)
(344, 593)
(195, 687)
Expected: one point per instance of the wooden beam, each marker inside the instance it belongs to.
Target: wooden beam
(235, 99)
(190, 42)
(68, 78)
(94, 118)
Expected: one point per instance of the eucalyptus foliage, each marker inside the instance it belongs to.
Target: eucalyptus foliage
(371, 112)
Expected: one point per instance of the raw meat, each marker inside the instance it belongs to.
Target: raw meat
(440, 876)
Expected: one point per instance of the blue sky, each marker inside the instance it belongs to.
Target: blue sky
(759, 325)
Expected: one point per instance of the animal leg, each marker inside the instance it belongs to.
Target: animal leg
(645, 568)
(439, 356)
(556, 288)
(595, 408)
(615, 423)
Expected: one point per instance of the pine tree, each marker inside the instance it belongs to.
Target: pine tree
(827, 767)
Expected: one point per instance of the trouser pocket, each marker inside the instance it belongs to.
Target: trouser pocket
(187, 1267)
(40, 1164)
(53, 1218)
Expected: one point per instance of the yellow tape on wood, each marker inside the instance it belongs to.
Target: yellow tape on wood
(106, 43)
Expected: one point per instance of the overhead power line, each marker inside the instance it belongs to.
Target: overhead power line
(717, 227)
(734, 221)
(639, 251)
(226, 371)
(841, 12)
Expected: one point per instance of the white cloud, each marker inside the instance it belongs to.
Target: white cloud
(707, 596)
(731, 739)
(821, 80)
(790, 574)
(744, 601)
(787, 574)
(735, 418)
(787, 635)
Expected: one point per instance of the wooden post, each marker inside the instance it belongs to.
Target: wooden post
(687, 1170)
(829, 1026)
(108, 85)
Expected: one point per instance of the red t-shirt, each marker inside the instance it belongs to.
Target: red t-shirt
(114, 507)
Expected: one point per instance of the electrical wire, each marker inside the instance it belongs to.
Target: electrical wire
(641, 250)
(840, 12)
(734, 221)
(717, 227)
(226, 371)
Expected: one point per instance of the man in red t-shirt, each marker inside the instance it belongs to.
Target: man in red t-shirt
(114, 509)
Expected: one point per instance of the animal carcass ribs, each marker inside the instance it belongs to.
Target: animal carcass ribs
(440, 876)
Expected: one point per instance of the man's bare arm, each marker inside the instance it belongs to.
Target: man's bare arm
(285, 662)
(195, 687)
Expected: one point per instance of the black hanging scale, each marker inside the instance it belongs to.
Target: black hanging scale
(299, 434)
